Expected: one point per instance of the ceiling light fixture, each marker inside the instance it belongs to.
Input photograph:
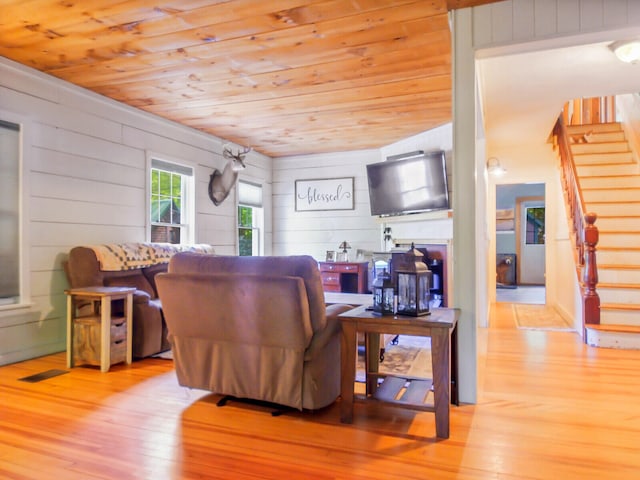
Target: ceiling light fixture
(494, 167)
(627, 51)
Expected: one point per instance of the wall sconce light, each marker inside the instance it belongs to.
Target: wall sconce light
(494, 167)
(627, 51)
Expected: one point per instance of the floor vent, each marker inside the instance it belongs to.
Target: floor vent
(38, 377)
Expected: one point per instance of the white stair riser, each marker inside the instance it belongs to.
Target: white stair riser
(603, 209)
(621, 195)
(628, 296)
(599, 146)
(608, 239)
(626, 224)
(599, 158)
(604, 170)
(620, 257)
(610, 275)
(619, 317)
(626, 341)
(610, 182)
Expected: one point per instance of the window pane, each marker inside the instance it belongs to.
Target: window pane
(165, 183)
(535, 226)
(245, 216)
(9, 213)
(166, 234)
(245, 242)
(155, 208)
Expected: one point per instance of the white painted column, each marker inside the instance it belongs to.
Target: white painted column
(464, 201)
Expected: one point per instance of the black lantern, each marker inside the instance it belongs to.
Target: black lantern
(413, 282)
(383, 294)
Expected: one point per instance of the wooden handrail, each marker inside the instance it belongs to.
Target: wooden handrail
(584, 232)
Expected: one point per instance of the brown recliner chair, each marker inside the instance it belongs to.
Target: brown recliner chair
(253, 327)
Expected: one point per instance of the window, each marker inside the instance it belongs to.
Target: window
(250, 219)
(171, 202)
(535, 226)
(10, 139)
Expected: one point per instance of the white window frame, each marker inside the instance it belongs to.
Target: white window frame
(188, 225)
(24, 156)
(257, 218)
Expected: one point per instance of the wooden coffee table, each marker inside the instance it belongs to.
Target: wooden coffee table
(440, 325)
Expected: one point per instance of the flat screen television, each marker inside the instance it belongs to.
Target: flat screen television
(415, 182)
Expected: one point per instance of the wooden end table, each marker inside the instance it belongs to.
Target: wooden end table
(97, 337)
(440, 325)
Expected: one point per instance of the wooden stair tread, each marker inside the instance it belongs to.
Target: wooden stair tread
(633, 286)
(607, 176)
(594, 189)
(612, 202)
(603, 164)
(614, 327)
(618, 249)
(622, 266)
(619, 306)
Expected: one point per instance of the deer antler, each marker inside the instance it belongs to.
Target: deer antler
(238, 157)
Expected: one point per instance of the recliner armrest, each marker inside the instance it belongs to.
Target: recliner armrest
(140, 296)
(320, 339)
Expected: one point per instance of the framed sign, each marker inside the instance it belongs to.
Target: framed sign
(324, 194)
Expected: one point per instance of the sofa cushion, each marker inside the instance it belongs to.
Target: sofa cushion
(130, 278)
(150, 274)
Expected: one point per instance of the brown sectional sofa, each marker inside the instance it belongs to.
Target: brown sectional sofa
(253, 327)
(132, 265)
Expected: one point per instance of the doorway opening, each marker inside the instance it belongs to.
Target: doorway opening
(520, 243)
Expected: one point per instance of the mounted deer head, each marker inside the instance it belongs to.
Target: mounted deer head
(221, 183)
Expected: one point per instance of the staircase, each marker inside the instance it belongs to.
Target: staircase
(609, 179)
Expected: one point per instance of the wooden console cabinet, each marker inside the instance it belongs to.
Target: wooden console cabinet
(345, 277)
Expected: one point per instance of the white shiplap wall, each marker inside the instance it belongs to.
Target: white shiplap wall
(522, 21)
(85, 183)
(313, 233)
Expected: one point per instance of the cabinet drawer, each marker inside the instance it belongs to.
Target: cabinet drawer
(349, 268)
(330, 278)
(118, 351)
(118, 329)
(328, 267)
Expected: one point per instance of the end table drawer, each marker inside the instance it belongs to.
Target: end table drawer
(118, 351)
(118, 329)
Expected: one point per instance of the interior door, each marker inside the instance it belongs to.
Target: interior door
(532, 242)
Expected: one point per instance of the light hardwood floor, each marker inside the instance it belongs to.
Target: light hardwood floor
(549, 407)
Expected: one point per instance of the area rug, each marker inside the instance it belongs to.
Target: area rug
(539, 317)
(410, 357)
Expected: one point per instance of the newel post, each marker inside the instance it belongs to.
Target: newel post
(590, 298)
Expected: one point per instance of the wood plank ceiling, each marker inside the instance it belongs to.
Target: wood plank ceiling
(285, 77)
